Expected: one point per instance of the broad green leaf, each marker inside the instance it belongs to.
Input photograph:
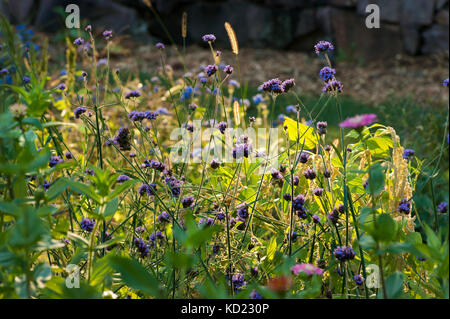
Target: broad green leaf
(304, 133)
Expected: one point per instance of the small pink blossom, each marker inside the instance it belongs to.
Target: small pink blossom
(359, 121)
(309, 269)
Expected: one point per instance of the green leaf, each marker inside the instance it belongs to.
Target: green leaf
(376, 180)
(304, 133)
(394, 286)
(271, 248)
(384, 229)
(135, 275)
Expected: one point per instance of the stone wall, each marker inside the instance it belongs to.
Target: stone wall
(410, 26)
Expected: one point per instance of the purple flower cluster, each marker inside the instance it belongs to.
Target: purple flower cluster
(211, 69)
(123, 139)
(241, 149)
(407, 153)
(359, 279)
(276, 174)
(133, 94)
(277, 86)
(344, 253)
(228, 69)
(238, 281)
(78, 111)
(304, 157)
(142, 247)
(333, 216)
(404, 206)
(442, 207)
(333, 86)
(318, 191)
(78, 41)
(209, 38)
(309, 174)
(322, 127)
(107, 34)
(298, 203)
(122, 178)
(160, 46)
(323, 47)
(87, 224)
(164, 217)
(242, 212)
(147, 189)
(174, 185)
(187, 201)
(327, 73)
(222, 127)
(55, 160)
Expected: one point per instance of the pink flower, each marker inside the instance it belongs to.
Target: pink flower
(309, 269)
(359, 121)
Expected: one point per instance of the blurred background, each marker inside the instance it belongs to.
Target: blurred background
(395, 71)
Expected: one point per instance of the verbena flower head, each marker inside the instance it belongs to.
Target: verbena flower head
(78, 111)
(133, 94)
(323, 47)
(407, 153)
(146, 189)
(358, 121)
(255, 295)
(273, 86)
(164, 217)
(68, 155)
(188, 201)
(308, 269)
(209, 38)
(344, 253)
(26, 79)
(238, 281)
(316, 219)
(87, 224)
(333, 86)
(136, 116)
(327, 73)
(78, 41)
(123, 138)
(107, 34)
(304, 157)
(160, 46)
(4, 71)
(445, 82)
(404, 206)
(442, 207)
(61, 86)
(122, 178)
(288, 84)
(211, 69)
(214, 164)
(228, 69)
(318, 191)
(359, 280)
(242, 211)
(55, 160)
(322, 127)
(309, 174)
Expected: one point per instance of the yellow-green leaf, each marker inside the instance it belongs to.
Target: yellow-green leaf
(305, 133)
